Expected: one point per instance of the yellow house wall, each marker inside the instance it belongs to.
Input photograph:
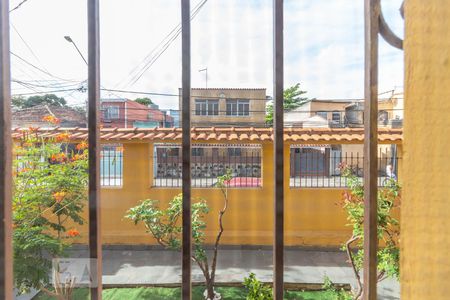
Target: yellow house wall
(425, 244)
(312, 215)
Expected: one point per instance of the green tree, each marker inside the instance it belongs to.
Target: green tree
(144, 101)
(48, 99)
(164, 225)
(50, 192)
(17, 101)
(292, 99)
(388, 228)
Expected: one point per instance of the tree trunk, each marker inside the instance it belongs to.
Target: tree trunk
(210, 289)
(358, 292)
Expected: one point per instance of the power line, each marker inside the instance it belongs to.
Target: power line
(26, 44)
(194, 14)
(174, 30)
(18, 6)
(238, 98)
(165, 45)
(37, 68)
(52, 85)
(47, 92)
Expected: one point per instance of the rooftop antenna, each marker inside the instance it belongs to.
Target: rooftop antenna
(206, 77)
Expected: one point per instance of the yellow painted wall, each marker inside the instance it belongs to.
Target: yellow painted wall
(425, 244)
(312, 215)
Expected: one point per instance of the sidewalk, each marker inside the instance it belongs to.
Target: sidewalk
(146, 267)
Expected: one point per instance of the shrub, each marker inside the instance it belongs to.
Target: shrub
(256, 289)
(334, 293)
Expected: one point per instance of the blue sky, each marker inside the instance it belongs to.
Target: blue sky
(324, 42)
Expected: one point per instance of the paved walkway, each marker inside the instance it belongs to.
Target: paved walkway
(135, 267)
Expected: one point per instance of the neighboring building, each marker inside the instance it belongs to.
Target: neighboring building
(227, 107)
(387, 113)
(175, 114)
(329, 110)
(342, 113)
(124, 113)
(33, 116)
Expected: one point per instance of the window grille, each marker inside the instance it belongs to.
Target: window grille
(210, 161)
(111, 165)
(321, 166)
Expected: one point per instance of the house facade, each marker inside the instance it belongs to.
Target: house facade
(125, 113)
(227, 106)
(338, 113)
(175, 114)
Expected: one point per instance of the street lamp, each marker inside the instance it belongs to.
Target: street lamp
(69, 39)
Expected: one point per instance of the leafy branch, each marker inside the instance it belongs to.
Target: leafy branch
(388, 229)
(164, 226)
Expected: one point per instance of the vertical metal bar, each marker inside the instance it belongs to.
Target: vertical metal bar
(166, 167)
(121, 165)
(6, 257)
(110, 162)
(381, 166)
(371, 15)
(317, 168)
(278, 77)
(95, 244)
(324, 167)
(186, 147)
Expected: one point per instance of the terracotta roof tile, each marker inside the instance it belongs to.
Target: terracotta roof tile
(355, 135)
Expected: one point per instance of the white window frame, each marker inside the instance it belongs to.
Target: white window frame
(111, 112)
(206, 107)
(238, 107)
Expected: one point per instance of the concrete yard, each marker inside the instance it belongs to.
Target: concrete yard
(122, 267)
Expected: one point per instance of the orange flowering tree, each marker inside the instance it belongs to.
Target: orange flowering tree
(50, 192)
